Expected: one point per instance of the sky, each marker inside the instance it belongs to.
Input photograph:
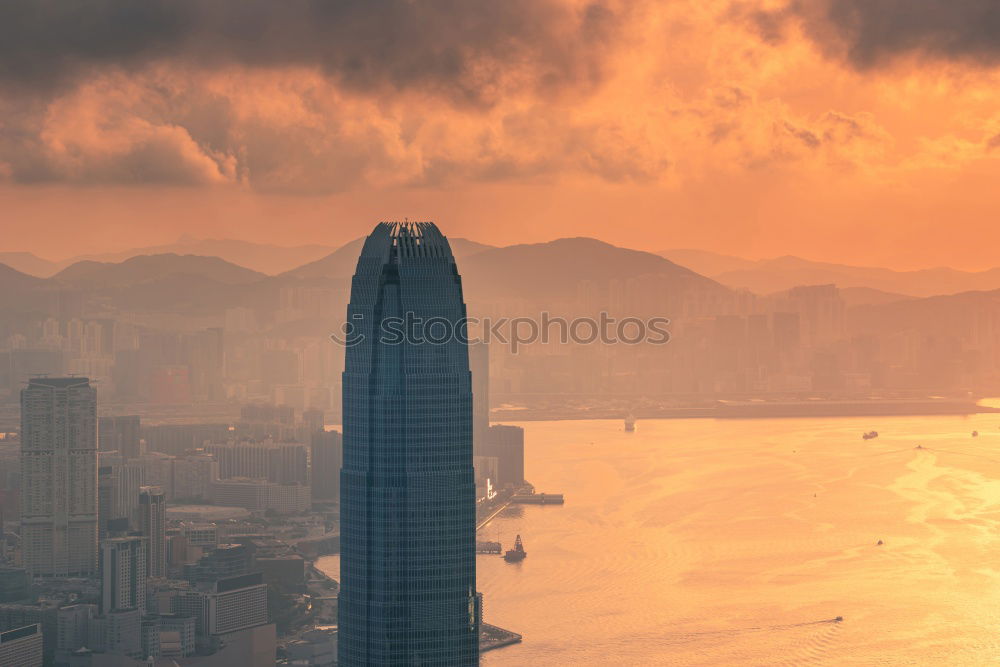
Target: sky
(855, 131)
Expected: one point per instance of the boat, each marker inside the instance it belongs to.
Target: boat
(869, 435)
(975, 434)
(630, 423)
(517, 554)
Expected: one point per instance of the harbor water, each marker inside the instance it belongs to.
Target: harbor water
(718, 542)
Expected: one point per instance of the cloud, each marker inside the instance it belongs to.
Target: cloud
(318, 97)
(869, 34)
(471, 51)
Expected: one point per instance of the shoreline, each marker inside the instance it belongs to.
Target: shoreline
(760, 410)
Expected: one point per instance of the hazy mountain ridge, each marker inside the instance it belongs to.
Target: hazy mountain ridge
(29, 263)
(781, 273)
(260, 257)
(136, 270)
(942, 314)
(559, 266)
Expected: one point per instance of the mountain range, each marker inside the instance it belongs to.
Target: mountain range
(552, 271)
(260, 257)
(173, 283)
(766, 276)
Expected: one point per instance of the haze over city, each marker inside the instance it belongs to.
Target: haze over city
(548, 332)
(836, 130)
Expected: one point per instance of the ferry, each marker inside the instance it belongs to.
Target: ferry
(517, 554)
(630, 423)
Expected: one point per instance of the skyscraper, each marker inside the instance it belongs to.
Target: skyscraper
(327, 453)
(121, 434)
(408, 570)
(59, 476)
(152, 524)
(123, 574)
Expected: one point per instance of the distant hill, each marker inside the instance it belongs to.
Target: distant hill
(12, 279)
(767, 276)
(341, 263)
(859, 296)
(264, 258)
(953, 315)
(866, 296)
(557, 267)
(25, 262)
(18, 292)
(704, 262)
(93, 275)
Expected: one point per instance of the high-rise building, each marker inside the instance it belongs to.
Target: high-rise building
(22, 646)
(59, 476)
(506, 443)
(408, 569)
(228, 605)
(121, 434)
(117, 491)
(256, 494)
(327, 452)
(123, 573)
(153, 526)
(74, 627)
(117, 632)
(313, 419)
(15, 584)
(177, 635)
(193, 477)
(279, 462)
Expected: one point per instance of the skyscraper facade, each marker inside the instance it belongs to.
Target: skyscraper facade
(153, 525)
(407, 491)
(123, 574)
(121, 434)
(59, 476)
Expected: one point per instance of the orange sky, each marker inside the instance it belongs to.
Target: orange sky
(832, 131)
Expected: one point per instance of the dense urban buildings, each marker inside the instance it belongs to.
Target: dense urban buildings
(408, 577)
(59, 477)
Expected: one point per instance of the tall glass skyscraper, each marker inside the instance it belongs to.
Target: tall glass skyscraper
(407, 565)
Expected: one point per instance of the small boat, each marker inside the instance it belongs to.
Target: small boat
(630, 423)
(517, 554)
(869, 435)
(839, 619)
(975, 434)
(879, 543)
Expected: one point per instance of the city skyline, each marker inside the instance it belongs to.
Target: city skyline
(697, 364)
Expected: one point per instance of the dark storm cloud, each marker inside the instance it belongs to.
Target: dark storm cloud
(871, 33)
(459, 48)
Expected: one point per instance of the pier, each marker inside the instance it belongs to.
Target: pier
(538, 499)
(492, 637)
